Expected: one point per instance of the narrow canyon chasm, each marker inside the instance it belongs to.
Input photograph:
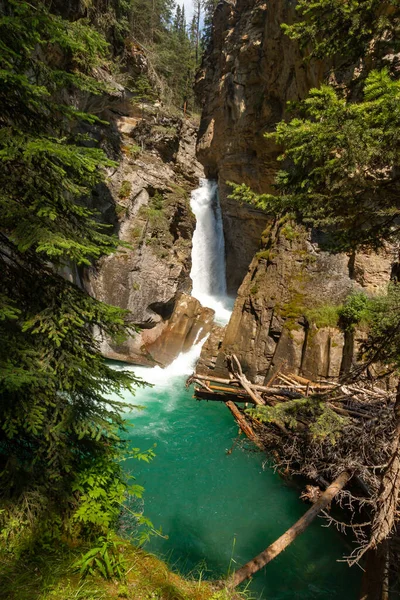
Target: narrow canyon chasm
(249, 73)
(205, 277)
(199, 299)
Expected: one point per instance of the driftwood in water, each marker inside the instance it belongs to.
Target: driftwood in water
(239, 396)
(367, 441)
(257, 563)
(236, 369)
(234, 384)
(243, 424)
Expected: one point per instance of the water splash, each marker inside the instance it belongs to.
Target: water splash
(166, 377)
(208, 251)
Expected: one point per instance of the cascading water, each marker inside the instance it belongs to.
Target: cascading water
(208, 251)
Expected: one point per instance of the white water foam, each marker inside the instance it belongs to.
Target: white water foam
(163, 377)
(165, 396)
(208, 251)
(183, 365)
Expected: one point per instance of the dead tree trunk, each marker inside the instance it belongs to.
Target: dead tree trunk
(243, 424)
(236, 370)
(245, 383)
(375, 579)
(383, 522)
(291, 534)
(374, 584)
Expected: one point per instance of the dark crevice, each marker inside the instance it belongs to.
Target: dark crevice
(304, 347)
(164, 309)
(328, 358)
(351, 265)
(348, 351)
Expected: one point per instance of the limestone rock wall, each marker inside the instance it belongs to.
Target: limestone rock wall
(248, 75)
(270, 327)
(146, 200)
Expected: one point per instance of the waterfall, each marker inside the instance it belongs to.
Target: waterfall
(208, 251)
(209, 282)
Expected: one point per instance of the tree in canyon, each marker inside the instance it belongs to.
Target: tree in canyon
(60, 438)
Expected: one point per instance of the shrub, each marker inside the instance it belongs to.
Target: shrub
(125, 189)
(326, 315)
(355, 310)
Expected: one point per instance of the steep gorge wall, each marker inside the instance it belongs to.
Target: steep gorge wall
(146, 199)
(145, 202)
(250, 73)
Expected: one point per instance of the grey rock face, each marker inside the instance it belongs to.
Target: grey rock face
(249, 73)
(270, 327)
(146, 200)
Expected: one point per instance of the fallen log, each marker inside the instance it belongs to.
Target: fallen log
(245, 383)
(202, 384)
(316, 386)
(257, 563)
(243, 424)
(241, 397)
(270, 391)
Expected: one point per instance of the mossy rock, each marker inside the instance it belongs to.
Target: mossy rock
(125, 190)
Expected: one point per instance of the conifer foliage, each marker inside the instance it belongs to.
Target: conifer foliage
(342, 174)
(346, 29)
(59, 438)
(341, 149)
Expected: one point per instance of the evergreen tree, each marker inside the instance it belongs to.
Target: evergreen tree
(178, 18)
(195, 29)
(209, 8)
(341, 150)
(346, 29)
(59, 436)
(175, 60)
(342, 160)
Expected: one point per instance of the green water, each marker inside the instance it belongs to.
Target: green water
(215, 506)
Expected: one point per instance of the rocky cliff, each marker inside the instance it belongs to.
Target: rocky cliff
(285, 315)
(250, 72)
(145, 199)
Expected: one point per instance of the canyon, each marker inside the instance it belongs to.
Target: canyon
(278, 271)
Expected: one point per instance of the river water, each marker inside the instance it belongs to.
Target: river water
(218, 509)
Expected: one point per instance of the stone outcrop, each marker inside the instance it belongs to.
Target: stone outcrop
(146, 201)
(280, 316)
(160, 344)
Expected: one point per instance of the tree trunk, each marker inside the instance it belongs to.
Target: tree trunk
(291, 534)
(374, 584)
(243, 424)
(384, 519)
(245, 383)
